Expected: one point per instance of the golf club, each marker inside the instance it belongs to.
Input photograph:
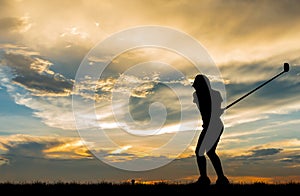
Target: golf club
(286, 68)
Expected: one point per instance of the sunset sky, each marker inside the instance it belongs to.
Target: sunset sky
(57, 126)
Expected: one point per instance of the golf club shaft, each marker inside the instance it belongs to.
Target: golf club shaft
(236, 101)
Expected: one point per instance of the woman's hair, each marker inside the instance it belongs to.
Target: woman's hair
(201, 82)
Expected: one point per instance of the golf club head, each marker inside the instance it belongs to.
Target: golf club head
(286, 67)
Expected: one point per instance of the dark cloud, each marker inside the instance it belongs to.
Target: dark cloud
(3, 161)
(245, 77)
(277, 94)
(265, 152)
(33, 73)
(233, 24)
(268, 162)
(291, 159)
(82, 170)
(25, 150)
(67, 60)
(258, 155)
(26, 161)
(41, 147)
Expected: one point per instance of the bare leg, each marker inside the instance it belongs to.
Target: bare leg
(201, 161)
(222, 179)
(203, 179)
(216, 163)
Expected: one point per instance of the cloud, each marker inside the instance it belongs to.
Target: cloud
(280, 96)
(277, 158)
(3, 161)
(12, 28)
(11, 24)
(291, 159)
(72, 31)
(284, 148)
(24, 154)
(220, 25)
(61, 157)
(258, 155)
(34, 74)
(102, 89)
(249, 41)
(265, 152)
(42, 147)
(29, 80)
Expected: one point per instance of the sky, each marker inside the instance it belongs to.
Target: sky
(80, 103)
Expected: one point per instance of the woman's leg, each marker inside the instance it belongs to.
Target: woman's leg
(201, 162)
(216, 162)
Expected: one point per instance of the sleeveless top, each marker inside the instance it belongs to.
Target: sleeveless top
(209, 105)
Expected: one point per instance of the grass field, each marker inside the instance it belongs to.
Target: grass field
(99, 188)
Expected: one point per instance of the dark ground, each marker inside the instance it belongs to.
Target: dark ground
(101, 188)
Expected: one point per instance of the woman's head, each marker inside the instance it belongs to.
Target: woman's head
(201, 82)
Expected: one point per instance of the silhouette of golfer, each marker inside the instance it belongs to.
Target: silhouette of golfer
(209, 102)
